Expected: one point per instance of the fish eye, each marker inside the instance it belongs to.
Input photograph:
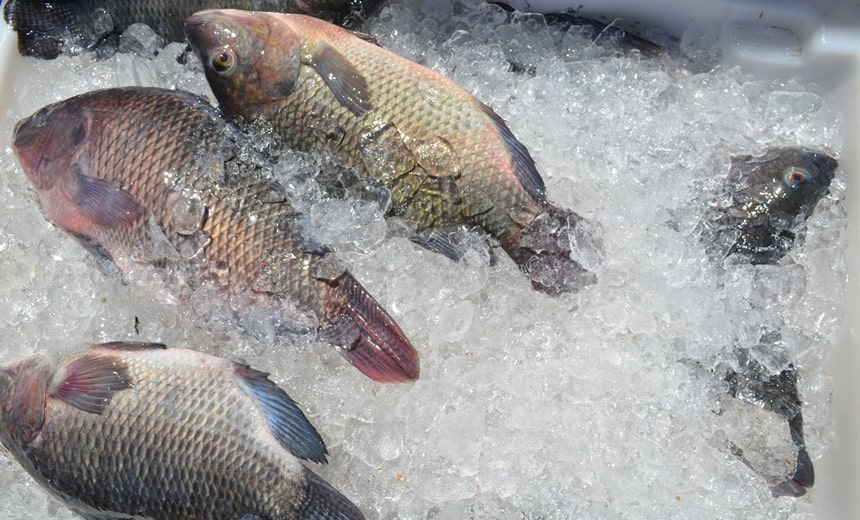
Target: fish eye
(795, 176)
(223, 60)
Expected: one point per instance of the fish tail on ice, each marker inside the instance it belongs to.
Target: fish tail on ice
(552, 248)
(365, 334)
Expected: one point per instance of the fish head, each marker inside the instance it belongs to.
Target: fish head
(250, 58)
(788, 182)
(50, 142)
(23, 394)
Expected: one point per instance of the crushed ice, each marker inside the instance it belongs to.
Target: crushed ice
(599, 404)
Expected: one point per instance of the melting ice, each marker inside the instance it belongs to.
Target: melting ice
(600, 404)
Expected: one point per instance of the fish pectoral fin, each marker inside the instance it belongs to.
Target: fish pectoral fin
(89, 381)
(365, 334)
(103, 202)
(285, 419)
(342, 78)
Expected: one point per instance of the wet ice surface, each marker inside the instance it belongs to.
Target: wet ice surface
(592, 405)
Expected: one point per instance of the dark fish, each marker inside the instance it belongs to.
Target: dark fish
(47, 29)
(126, 430)
(154, 176)
(448, 160)
(769, 197)
(753, 383)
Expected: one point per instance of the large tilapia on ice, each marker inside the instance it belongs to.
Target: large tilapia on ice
(144, 431)
(447, 158)
(48, 29)
(153, 176)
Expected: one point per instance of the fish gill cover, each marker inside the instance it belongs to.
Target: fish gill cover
(593, 405)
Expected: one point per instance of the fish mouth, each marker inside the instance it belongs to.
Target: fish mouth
(28, 142)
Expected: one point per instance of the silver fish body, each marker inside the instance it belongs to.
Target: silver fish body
(144, 431)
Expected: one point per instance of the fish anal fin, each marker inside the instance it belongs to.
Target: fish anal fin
(321, 500)
(285, 419)
(522, 162)
(103, 202)
(342, 78)
(89, 381)
(366, 335)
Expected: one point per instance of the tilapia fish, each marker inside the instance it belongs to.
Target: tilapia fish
(448, 159)
(47, 29)
(146, 175)
(127, 430)
(768, 199)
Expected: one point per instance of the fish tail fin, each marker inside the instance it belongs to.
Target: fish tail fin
(367, 336)
(554, 249)
(45, 29)
(321, 501)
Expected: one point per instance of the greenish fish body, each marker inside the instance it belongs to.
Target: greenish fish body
(448, 160)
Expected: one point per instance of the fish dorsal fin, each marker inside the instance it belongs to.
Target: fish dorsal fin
(286, 421)
(523, 164)
(343, 79)
(103, 202)
(131, 346)
(89, 381)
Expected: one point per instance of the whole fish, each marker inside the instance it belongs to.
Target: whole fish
(146, 175)
(47, 29)
(759, 217)
(448, 160)
(125, 430)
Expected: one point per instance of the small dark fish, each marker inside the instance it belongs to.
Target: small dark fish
(776, 393)
(134, 431)
(448, 160)
(769, 197)
(145, 175)
(47, 29)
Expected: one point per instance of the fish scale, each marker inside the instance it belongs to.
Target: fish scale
(181, 439)
(116, 168)
(447, 159)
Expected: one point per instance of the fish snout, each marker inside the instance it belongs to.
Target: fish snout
(28, 142)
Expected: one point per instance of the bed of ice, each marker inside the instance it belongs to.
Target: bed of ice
(592, 405)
